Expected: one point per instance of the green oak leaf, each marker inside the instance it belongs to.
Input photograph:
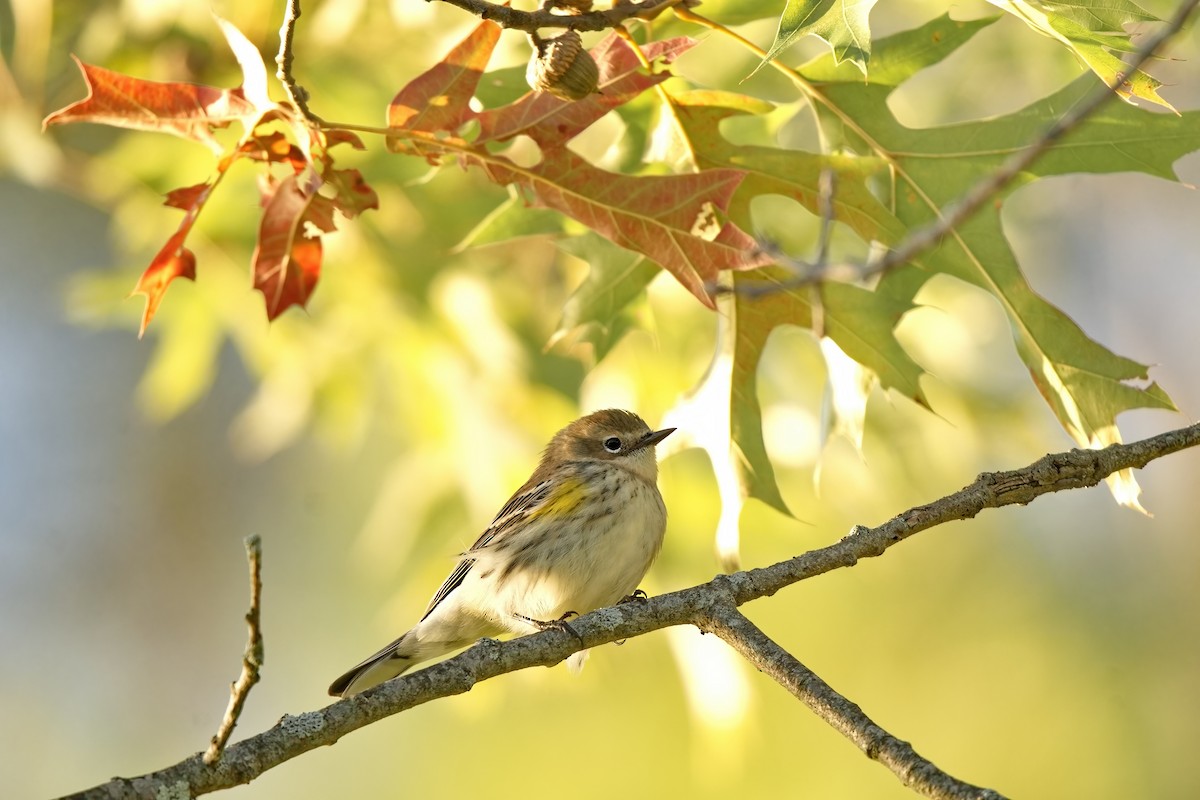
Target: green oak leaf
(1085, 384)
(1092, 30)
(842, 24)
(797, 174)
(860, 321)
(597, 313)
(512, 219)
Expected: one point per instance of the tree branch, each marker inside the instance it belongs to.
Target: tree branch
(915, 772)
(295, 92)
(530, 21)
(252, 659)
(294, 735)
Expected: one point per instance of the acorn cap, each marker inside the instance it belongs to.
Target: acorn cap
(561, 67)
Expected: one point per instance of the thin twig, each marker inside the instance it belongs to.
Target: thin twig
(530, 21)
(961, 210)
(252, 659)
(294, 735)
(914, 771)
(295, 92)
(828, 189)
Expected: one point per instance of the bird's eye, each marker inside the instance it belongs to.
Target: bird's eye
(612, 444)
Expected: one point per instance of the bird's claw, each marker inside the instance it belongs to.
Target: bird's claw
(559, 624)
(637, 597)
(553, 624)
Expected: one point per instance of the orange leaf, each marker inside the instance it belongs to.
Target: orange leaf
(320, 214)
(189, 198)
(274, 147)
(287, 258)
(353, 194)
(335, 136)
(189, 110)
(173, 260)
(653, 215)
(437, 99)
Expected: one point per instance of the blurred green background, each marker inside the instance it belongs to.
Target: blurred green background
(1046, 651)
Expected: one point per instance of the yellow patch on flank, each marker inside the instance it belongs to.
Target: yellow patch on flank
(565, 498)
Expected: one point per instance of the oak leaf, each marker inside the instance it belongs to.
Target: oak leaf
(287, 259)
(288, 254)
(670, 219)
(188, 110)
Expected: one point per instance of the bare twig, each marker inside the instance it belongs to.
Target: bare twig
(252, 659)
(530, 21)
(295, 92)
(828, 189)
(961, 210)
(295, 735)
(847, 718)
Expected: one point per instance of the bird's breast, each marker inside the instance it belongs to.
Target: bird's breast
(590, 551)
(615, 536)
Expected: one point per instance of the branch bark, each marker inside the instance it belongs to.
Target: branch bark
(283, 61)
(844, 716)
(295, 735)
(530, 21)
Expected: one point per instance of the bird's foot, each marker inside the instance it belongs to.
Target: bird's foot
(545, 625)
(638, 596)
(559, 624)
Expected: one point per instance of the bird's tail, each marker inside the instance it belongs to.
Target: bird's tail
(395, 659)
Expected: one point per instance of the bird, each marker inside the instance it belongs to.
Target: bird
(580, 534)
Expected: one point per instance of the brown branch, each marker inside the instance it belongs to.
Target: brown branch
(961, 210)
(530, 21)
(283, 61)
(915, 772)
(293, 736)
(252, 659)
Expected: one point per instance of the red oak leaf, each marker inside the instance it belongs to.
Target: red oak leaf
(654, 215)
(287, 258)
(437, 99)
(190, 110)
(273, 147)
(353, 195)
(334, 136)
(173, 260)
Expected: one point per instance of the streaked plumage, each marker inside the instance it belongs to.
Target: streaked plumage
(578, 535)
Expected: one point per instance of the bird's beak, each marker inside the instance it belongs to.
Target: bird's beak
(653, 438)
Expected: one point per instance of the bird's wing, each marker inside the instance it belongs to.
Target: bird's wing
(526, 500)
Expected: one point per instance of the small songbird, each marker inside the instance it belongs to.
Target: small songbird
(579, 535)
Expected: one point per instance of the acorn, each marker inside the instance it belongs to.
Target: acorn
(561, 67)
